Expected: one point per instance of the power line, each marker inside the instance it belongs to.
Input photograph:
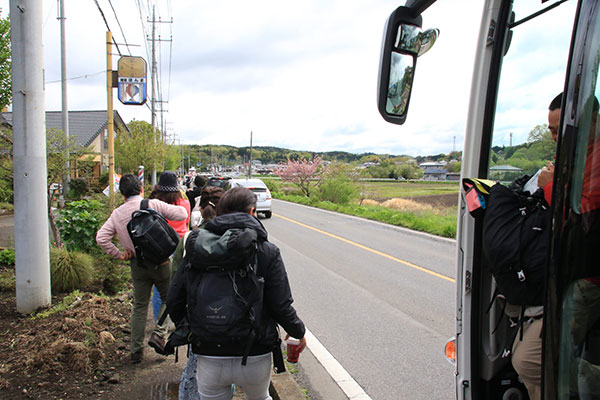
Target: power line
(120, 27)
(107, 27)
(78, 77)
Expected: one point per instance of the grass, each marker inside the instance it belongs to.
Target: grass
(437, 222)
(67, 302)
(390, 189)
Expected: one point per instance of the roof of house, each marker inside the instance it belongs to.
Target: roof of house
(504, 168)
(435, 171)
(84, 126)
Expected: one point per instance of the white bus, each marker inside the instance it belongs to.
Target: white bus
(570, 362)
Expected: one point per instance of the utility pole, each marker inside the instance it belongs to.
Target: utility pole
(250, 164)
(32, 255)
(510, 139)
(110, 123)
(153, 108)
(153, 72)
(65, 107)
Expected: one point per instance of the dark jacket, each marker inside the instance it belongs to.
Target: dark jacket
(193, 196)
(277, 301)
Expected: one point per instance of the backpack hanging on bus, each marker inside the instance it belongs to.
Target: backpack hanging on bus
(516, 234)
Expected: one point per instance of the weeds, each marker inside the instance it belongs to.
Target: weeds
(68, 301)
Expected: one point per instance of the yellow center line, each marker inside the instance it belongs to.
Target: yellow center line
(409, 264)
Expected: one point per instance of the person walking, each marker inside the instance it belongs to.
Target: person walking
(169, 191)
(143, 276)
(210, 196)
(224, 361)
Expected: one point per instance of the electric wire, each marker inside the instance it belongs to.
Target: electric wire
(107, 27)
(78, 77)
(120, 27)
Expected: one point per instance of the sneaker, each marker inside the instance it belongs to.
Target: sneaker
(157, 343)
(137, 357)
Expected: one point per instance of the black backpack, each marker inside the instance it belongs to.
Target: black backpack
(516, 236)
(153, 238)
(226, 307)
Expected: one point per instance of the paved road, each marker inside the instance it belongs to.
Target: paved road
(384, 320)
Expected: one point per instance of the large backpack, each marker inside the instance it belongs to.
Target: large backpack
(516, 234)
(225, 308)
(153, 238)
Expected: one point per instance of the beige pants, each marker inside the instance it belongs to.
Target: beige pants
(527, 357)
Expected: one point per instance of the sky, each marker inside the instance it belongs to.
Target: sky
(299, 75)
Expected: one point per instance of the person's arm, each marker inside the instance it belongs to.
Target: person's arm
(177, 297)
(169, 211)
(104, 239)
(278, 297)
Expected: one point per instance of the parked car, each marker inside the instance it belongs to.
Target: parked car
(220, 181)
(263, 194)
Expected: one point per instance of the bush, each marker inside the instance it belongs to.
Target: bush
(69, 270)
(78, 187)
(114, 275)
(337, 185)
(7, 279)
(78, 223)
(6, 191)
(273, 185)
(7, 257)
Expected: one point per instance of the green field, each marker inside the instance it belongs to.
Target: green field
(390, 189)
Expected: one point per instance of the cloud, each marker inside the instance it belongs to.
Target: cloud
(301, 75)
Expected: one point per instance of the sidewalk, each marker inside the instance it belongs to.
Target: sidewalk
(158, 377)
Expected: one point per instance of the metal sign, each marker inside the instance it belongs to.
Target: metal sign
(132, 80)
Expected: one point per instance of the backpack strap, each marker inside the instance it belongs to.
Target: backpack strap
(144, 204)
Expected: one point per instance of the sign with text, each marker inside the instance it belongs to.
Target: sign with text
(132, 80)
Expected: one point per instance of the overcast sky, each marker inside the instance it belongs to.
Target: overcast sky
(300, 75)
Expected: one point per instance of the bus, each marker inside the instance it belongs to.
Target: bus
(511, 34)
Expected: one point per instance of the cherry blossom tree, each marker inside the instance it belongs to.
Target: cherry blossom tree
(302, 172)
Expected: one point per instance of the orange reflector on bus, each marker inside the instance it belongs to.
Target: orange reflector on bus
(450, 351)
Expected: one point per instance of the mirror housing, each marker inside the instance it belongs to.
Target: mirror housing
(403, 42)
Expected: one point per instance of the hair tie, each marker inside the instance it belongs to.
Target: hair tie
(212, 204)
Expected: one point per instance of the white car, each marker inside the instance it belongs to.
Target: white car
(263, 195)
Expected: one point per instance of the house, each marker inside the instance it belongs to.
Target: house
(435, 174)
(88, 129)
(504, 172)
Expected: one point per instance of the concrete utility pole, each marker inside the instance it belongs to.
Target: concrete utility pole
(32, 255)
(65, 107)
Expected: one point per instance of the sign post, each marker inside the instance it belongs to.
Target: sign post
(132, 80)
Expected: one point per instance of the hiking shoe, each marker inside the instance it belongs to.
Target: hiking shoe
(137, 357)
(157, 343)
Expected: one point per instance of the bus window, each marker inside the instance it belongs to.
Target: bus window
(579, 350)
(522, 143)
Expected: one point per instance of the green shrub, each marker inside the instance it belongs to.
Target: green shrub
(6, 191)
(78, 223)
(114, 275)
(7, 279)
(337, 190)
(103, 179)
(69, 270)
(7, 257)
(273, 185)
(78, 187)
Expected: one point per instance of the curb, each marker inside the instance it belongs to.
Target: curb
(284, 387)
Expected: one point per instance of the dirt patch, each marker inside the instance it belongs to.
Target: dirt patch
(438, 200)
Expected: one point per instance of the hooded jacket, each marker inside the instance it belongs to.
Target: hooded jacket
(277, 296)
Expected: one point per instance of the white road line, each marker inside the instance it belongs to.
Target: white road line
(335, 369)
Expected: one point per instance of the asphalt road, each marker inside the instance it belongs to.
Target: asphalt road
(379, 298)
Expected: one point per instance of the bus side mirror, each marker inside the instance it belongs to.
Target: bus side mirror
(403, 42)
